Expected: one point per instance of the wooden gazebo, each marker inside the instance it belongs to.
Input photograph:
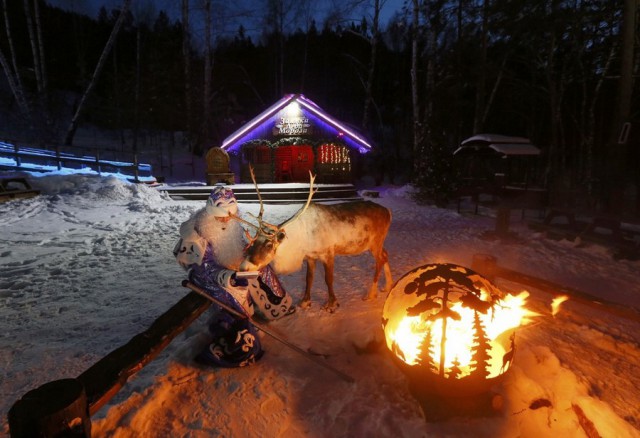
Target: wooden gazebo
(483, 158)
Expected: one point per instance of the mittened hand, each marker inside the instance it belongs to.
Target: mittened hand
(238, 282)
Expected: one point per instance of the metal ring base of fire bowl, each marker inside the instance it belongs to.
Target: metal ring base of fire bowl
(442, 399)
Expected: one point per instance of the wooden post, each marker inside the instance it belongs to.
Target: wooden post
(172, 145)
(16, 148)
(98, 167)
(136, 168)
(58, 160)
(55, 409)
(502, 221)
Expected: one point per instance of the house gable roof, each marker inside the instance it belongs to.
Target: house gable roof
(348, 135)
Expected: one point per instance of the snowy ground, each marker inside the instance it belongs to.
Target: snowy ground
(87, 265)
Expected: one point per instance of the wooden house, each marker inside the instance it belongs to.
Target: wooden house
(291, 138)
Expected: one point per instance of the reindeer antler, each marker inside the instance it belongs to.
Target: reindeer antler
(312, 178)
(259, 218)
(263, 224)
(253, 178)
(239, 219)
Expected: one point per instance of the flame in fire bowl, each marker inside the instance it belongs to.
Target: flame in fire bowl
(452, 333)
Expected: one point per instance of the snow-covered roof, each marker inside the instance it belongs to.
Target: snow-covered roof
(493, 138)
(502, 144)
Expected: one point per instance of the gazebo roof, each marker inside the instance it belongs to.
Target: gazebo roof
(502, 144)
(349, 135)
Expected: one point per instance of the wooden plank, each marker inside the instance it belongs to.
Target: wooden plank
(11, 188)
(486, 265)
(107, 376)
(622, 242)
(17, 194)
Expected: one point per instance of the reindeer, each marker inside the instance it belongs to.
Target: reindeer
(508, 356)
(320, 232)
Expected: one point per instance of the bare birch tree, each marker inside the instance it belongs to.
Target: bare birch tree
(208, 72)
(478, 121)
(617, 169)
(282, 15)
(144, 13)
(33, 39)
(373, 41)
(41, 54)
(11, 71)
(73, 126)
(186, 60)
(415, 102)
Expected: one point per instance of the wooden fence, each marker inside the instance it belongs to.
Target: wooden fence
(13, 156)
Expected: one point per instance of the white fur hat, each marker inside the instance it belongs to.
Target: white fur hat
(221, 202)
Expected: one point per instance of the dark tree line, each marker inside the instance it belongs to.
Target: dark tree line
(560, 72)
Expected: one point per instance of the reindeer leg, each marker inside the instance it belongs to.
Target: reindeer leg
(332, 303)
(381, 259)
(306, 300)
(388, 280)
(373, 290)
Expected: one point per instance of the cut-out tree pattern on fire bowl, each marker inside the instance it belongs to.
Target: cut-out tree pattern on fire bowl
(434, 298)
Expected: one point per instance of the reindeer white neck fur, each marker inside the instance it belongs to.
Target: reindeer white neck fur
(295, 246)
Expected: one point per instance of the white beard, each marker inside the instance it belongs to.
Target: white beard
(225, 238)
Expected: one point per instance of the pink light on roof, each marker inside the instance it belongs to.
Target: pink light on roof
(310, 102)
(257, 120)
(314, 109)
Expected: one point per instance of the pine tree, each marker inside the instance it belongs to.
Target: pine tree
(481, 349)
(425, 358)
(455, 370)
(435, 178)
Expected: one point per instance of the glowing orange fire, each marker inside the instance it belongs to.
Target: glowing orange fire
(410, 334)
(555, 304)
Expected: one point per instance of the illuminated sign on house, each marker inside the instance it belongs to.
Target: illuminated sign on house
(286, 126)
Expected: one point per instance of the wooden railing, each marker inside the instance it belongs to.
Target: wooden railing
(44, 160)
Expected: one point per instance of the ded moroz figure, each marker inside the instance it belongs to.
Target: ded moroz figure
(211, 248)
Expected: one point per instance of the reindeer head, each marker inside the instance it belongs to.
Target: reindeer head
(263, 246)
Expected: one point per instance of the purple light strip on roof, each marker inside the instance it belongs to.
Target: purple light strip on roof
(249, 126)
(314, 109)
(310, 105)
